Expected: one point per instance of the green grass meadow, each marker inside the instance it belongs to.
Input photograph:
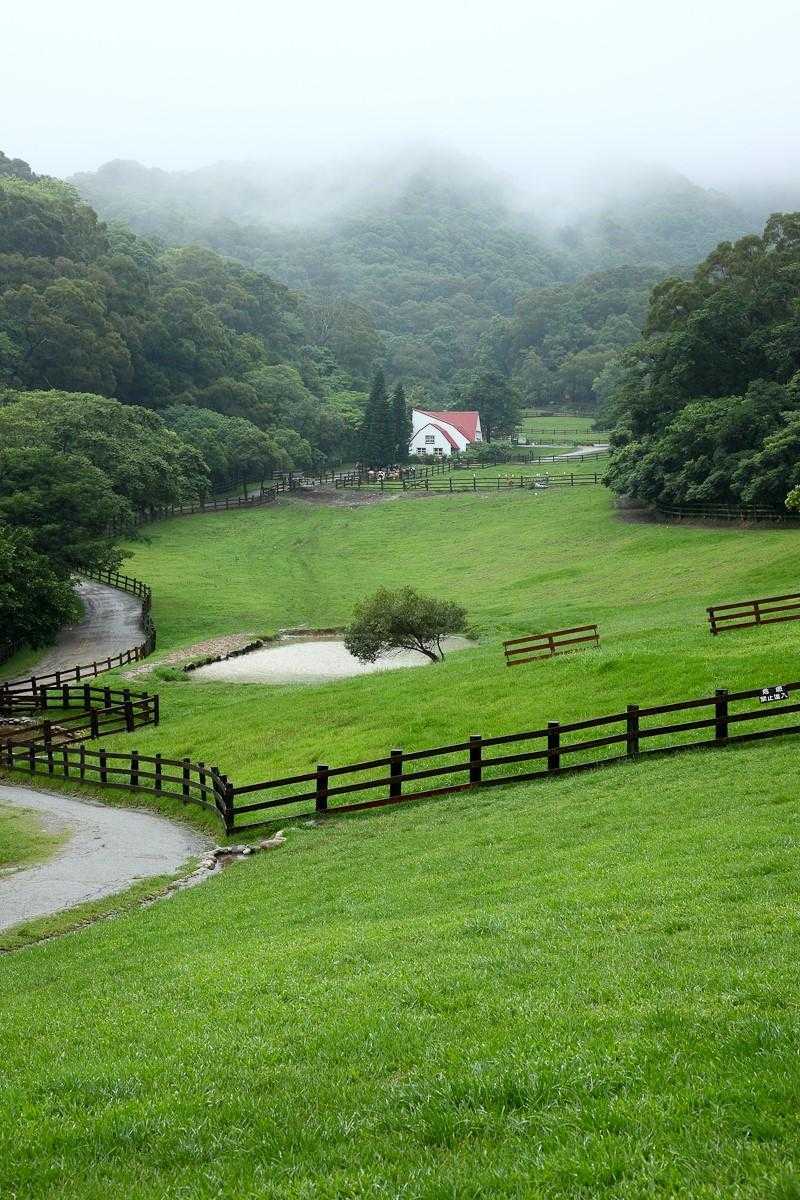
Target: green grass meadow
(23, 838)
(583, 987)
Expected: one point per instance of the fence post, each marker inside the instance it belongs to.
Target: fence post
(94, 723)
(475, 768)
(395, 773)
(632, 731)
(321, 800)
(721, 715)
(134, 768)
(757, 612)
(158, 783)
(186, 776)
(229, 815)
(104, 766)
(553, 745)
(128, 709)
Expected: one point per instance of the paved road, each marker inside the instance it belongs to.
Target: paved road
(597, 448)
(110, 624)
(108, 850)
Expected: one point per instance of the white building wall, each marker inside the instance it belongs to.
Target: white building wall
(430, 440)
(423, 427)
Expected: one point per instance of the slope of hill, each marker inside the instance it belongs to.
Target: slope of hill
(431, 247)
(583, 987)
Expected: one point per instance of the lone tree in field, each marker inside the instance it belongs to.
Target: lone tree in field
(402, 620)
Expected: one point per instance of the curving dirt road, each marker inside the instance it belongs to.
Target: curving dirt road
(110, 624)
(108, 850)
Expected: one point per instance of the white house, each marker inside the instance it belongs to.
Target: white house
(443, 433)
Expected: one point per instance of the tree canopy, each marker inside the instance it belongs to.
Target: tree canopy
(90, 308)
(402, 620)
(706, 404)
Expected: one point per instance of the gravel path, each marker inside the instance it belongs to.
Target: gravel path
(109, 849)
(110, 624)
(587, 451)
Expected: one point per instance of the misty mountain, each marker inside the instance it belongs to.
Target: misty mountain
(432, 247)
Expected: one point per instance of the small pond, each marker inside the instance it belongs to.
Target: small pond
(311, 660)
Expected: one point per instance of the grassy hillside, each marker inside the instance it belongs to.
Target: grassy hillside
(518, 562)
(584, 992)
(24, 839)
(585, 988)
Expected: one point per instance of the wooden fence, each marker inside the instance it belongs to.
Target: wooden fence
(551, 746)
(26, 689)
(451, 484)
(266, 495)
(57, 746)
(745, 513)
(746, 613)
(545, 645)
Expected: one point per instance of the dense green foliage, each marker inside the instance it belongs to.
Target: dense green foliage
(88, 308)
(36, 599)
(560, 339)
(430, 250)
(402, 620)
(385, 427)
(74, 468)
(708, 402)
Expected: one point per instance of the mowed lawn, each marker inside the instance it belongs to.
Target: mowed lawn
(563, 426)
(517, 562)
(586, 987)
(584, 990)
(24, 839)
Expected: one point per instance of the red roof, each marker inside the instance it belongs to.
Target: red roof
(465, 422)
(444, 432)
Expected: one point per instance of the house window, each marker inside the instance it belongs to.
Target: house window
(438, 452)
(430, 438)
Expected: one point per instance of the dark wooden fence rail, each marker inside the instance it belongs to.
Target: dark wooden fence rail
(30, 687)
(746, 613)
(403, 477)
(266, 495)
(745, 513)
(500, 483)
(57, 746)
(544, 645)
(551, 745)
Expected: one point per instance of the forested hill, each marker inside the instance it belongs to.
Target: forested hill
(654, 217)
(432, 252)
(707, 403)
(89, 307)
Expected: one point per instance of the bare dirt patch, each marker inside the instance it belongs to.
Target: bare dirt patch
(208, 651)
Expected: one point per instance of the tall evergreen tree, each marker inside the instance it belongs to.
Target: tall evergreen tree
(377, 440)
(401, 425)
